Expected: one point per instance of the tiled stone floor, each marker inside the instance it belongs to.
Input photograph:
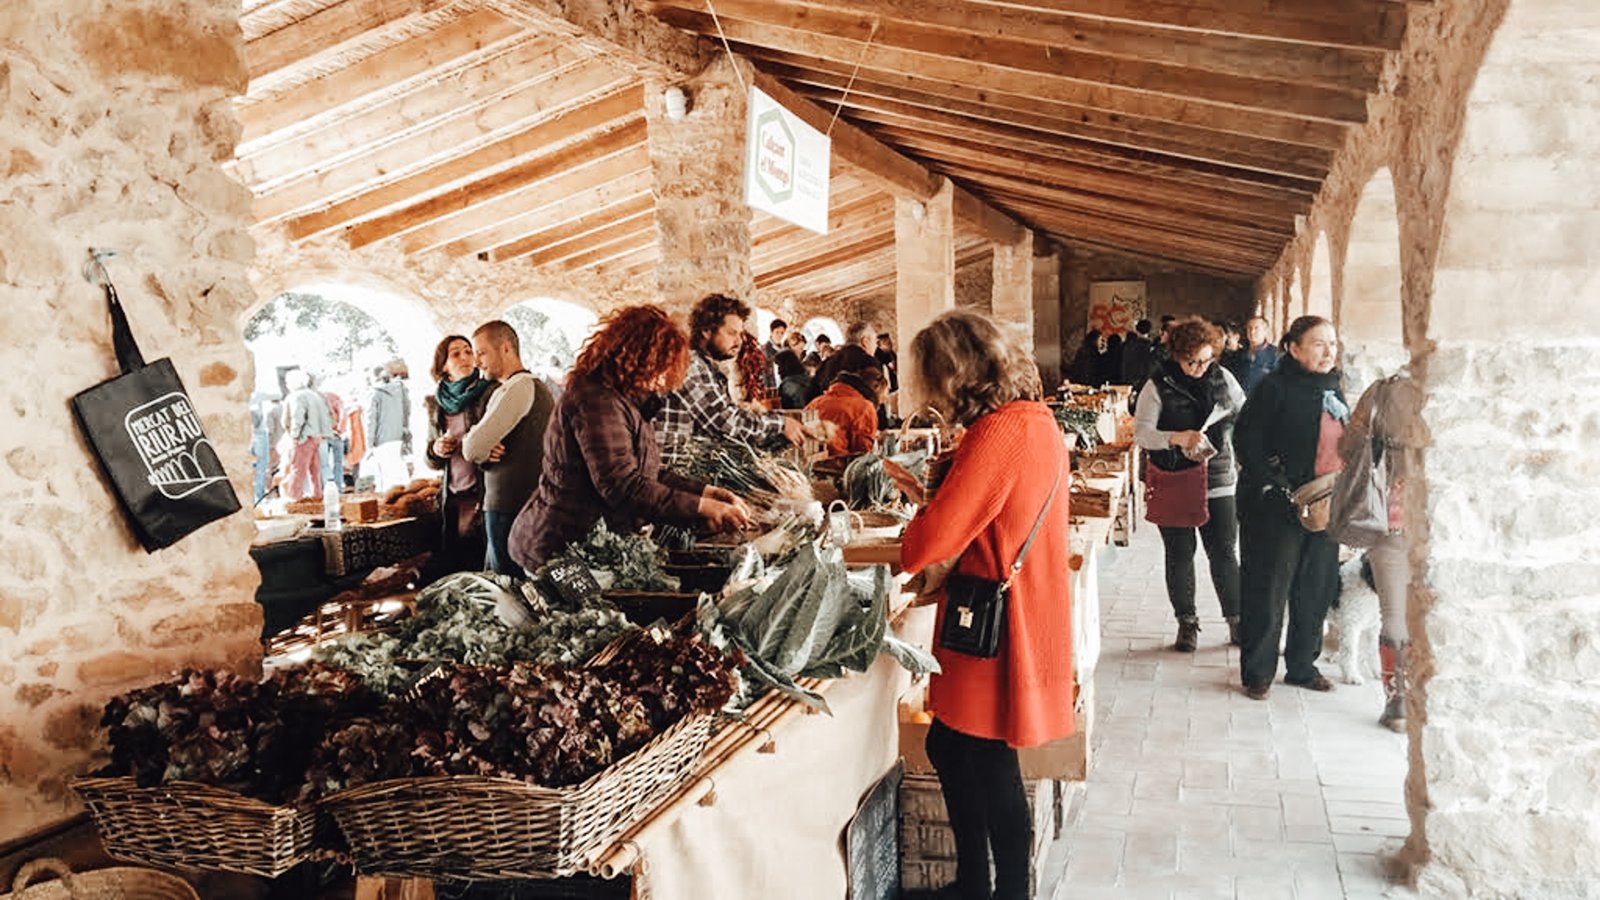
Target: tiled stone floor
(1197, 792)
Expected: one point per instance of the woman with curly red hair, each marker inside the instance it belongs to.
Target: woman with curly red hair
(601, 460)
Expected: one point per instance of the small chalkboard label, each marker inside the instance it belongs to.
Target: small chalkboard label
(572, 581)
(872, 841)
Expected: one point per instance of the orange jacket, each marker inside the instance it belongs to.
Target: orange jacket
(982, 513)
(856, 416)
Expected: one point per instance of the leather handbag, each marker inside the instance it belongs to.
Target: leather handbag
(1359, 512)
(1176, 499)
(1313, 502)
(975, 607)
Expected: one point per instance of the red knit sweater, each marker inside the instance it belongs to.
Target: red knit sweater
(998, 482)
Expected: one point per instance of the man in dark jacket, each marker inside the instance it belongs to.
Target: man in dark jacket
(508, 442)
(1138, 354)
(860, 340)
(1251, 362)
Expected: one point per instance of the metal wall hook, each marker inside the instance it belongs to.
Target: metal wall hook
(94, 268)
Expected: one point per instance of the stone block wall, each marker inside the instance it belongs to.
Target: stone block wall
(1169, 290)
(117, 120)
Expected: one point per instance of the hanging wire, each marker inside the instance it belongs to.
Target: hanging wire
(712, 7)
(871, 35)
(94, 268)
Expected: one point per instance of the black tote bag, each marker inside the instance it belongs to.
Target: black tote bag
(146, 434)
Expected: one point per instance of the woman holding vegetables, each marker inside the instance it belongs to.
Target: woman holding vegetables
(600, 454)
(1009, 474)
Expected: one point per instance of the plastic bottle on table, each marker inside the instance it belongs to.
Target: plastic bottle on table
(330, 506)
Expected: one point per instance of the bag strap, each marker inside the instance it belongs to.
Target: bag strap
(1016, 567)
(128, 355)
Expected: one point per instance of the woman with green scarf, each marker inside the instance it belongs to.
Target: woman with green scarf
(458, 404)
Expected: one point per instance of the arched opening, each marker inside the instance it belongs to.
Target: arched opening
(342, 335)
(823, 325)
(551, 332)
(1369, 313)
(1319, 281)
(761, 322)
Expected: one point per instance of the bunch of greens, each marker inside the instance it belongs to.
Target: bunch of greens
(761, 478)
(1082, 422)
(544, 725)
(868, 486)
(814, 618)
(217, 728)
(628, 562)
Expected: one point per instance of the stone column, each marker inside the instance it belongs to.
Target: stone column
(925, 270)
(702, 222)
(1047, 316)
(1013, 286)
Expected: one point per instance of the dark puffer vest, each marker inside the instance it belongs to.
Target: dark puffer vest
(1186, 403)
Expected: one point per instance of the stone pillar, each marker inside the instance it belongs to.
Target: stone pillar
(118, 119)
(702, 221)
(925, 270)
(1505, 606)
(1047, 316)
(1013, 285)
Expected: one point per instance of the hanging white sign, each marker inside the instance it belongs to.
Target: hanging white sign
(786, 165)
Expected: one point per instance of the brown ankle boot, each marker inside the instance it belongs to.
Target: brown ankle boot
(1392, 658)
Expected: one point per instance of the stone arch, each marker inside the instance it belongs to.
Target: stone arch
(1369, 312)
(1502, 609)
(824, 325)
(552, 330)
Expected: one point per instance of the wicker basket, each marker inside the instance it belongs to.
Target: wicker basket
(116, 883)
(195, 826)
(494, 828)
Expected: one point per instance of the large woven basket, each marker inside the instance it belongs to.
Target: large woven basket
(195, 826)
(494, 828)
(117, 883)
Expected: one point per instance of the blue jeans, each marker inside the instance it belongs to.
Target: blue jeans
(498, 557)
(332, 461)
(261, 449)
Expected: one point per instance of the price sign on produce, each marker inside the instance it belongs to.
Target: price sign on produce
(786, 165)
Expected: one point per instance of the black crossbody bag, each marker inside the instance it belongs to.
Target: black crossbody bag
(975, 608)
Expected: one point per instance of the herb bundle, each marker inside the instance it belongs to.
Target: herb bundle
(1082, 422)
(623, 561)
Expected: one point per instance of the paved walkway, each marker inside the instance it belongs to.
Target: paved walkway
(1197, 792)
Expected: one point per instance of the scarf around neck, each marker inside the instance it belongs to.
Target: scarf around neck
(455, 396)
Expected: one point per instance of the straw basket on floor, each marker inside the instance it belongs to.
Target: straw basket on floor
(494, 828)
(196, 826)
(119, 883)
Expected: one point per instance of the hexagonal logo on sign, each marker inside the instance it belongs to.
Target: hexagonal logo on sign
(774, 156)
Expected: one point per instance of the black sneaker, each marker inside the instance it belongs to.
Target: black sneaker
(1188, 635)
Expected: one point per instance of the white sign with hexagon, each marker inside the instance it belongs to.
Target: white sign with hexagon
(786, 165)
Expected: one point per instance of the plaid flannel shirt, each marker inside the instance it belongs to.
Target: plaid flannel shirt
(704, 405)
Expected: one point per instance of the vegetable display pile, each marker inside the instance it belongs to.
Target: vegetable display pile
(1082, 422)
(811, 619)
(628, 562)
(478, 619)
(217, 728)
(543, 725)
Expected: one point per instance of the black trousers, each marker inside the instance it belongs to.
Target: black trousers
(1288, 568)
(982, 786)
(1220, 537)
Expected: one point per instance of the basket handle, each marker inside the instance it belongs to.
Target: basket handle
(44, 865)
(938, 432)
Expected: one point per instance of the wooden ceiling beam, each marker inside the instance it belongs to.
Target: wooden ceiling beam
(829, 282)
(800, 251)
(510, 78)
(453, 153)
(1059, 74)
(945, 153)
(604, 234)
(1123, 159)
(575, 216)
(630, 267)
(1118, 210)
(613, 250)
(618, 30)
(1272, 60)
(330, 29)
(420, 58)
(1372, 24)
(1070, 245)
(1073, 122)
(460, 214)
(1154, 238)
(842, 213)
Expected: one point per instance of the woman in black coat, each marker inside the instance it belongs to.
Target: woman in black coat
(1287, 435)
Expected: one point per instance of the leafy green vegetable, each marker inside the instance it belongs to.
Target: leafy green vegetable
(1082, 422)
(761, 478)
(868, 486)
(628, 562)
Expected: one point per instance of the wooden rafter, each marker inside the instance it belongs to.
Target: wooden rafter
(522, 234)
(331, 30)
(1374, 24)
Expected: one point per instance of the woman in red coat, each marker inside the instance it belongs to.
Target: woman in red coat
(999, 482)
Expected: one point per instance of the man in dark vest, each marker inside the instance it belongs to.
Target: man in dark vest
(508, 442)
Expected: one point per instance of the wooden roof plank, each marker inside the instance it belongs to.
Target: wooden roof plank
(324, 31)
(603, 235)
(1375, 24)
(574, 216)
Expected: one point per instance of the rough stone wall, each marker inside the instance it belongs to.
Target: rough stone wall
(975, 284)
(117, 119)
(1169, 290)
(1485, 124)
